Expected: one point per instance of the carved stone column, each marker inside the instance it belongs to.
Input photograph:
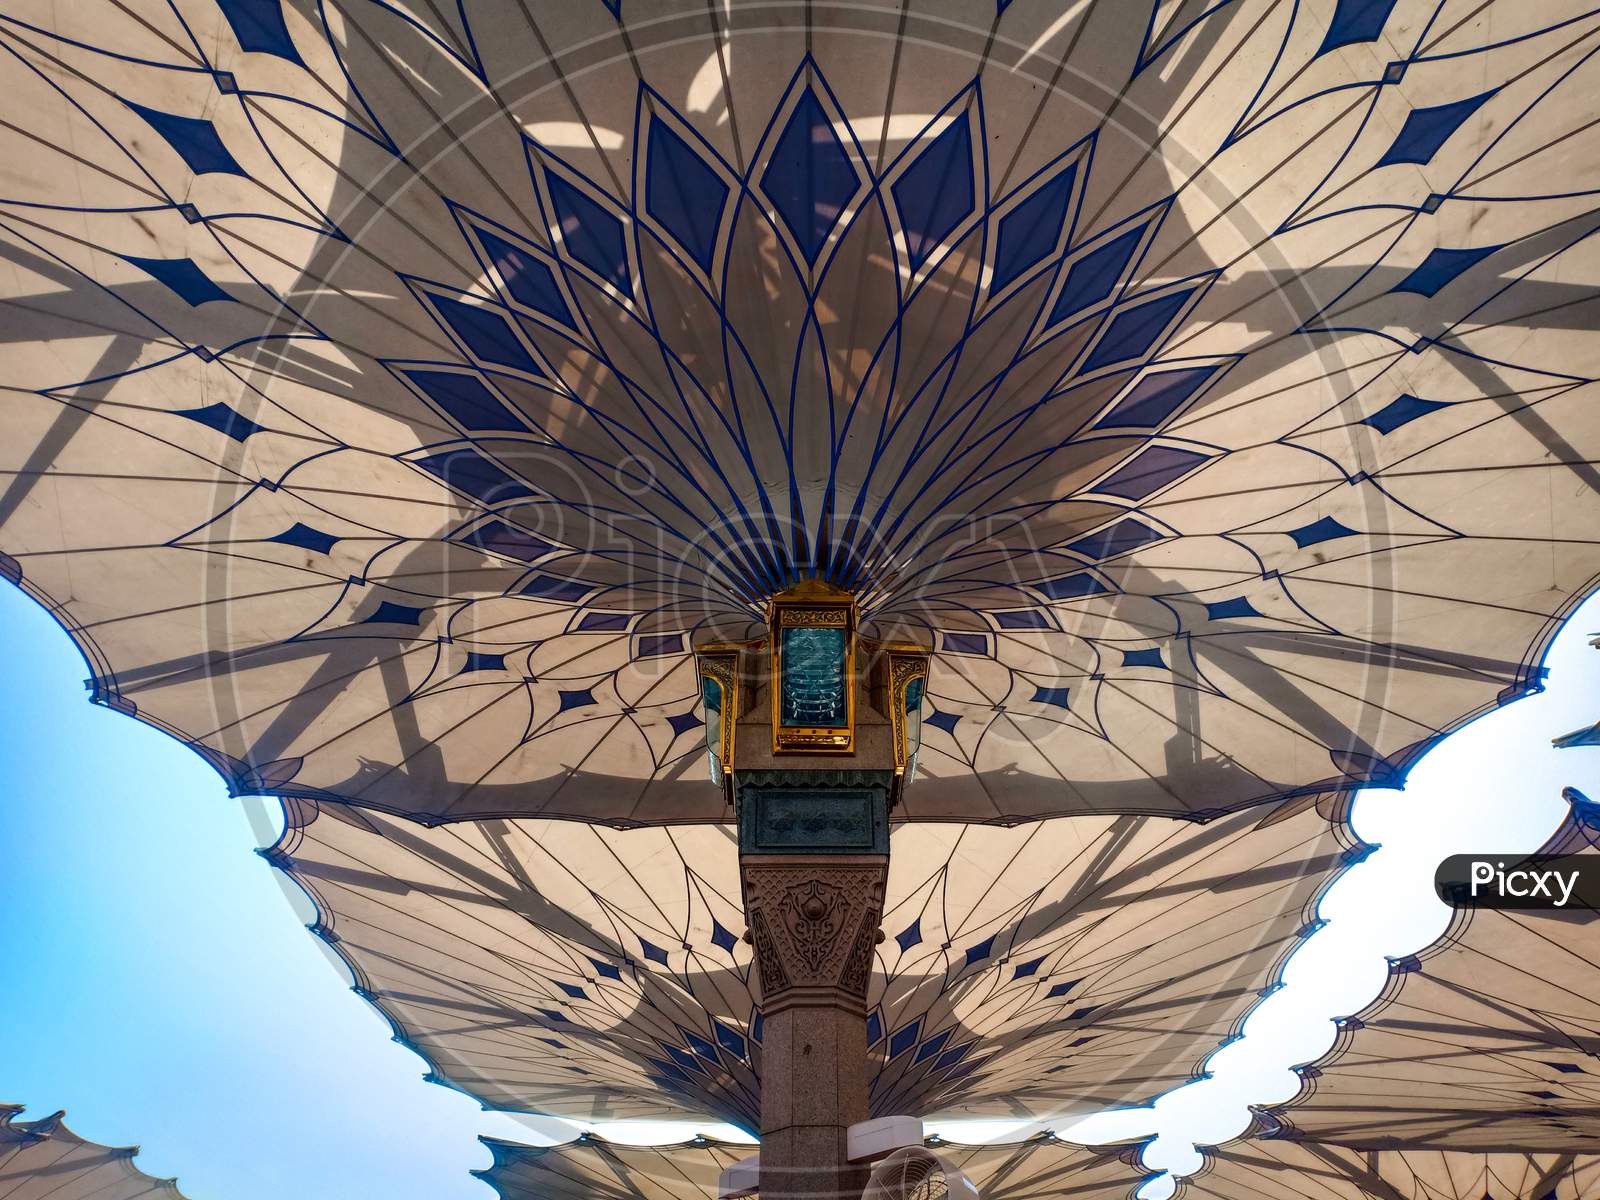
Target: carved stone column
(814, 860)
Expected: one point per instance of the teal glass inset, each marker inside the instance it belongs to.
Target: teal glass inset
(812, 690)
(914, 695)
(711, 694)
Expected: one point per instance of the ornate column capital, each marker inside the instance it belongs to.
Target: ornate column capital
(814, 924)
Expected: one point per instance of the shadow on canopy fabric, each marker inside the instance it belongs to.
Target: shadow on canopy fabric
(395, 395)
(1273, 1170)
(44, 1160)
(591, 1168)
(1051, 968)
(1489, 1042)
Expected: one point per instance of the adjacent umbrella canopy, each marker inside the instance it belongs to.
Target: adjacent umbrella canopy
(1272, 1170)
(44, 1160)
(1489, 1043)
(591, 1168)
(394, 394)
(1033, 971)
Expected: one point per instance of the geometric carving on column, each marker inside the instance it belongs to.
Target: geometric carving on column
(814, 923)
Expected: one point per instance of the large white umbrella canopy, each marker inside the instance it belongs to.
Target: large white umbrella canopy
(395, 392)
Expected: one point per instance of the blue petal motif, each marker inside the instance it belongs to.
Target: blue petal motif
(258, 26)
(1402, 411)
(1356, 21)
(1440, 268)
(1427, 129)
(936, 192)
(589, 232)
(196, 141)
(182, 276)
(1030, 231)
(466, 400)
(683, 193)
(1134, 330)
(528, 280)
(809, 177)
(1093, 277)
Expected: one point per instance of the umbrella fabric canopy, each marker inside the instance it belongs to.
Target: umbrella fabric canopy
(44, 1160)
(591, 1168)
(1488, 1043)
(1270, 1170)
(395, 393)
(1048, 968)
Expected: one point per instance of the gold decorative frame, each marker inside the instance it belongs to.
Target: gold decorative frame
(812, 604)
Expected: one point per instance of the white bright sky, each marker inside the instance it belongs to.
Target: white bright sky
(155, 980)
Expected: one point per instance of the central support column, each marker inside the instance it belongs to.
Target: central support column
(814, 857)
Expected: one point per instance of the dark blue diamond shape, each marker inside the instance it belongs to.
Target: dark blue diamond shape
(547, 587)
(1152, 470)
(721, 937)
(1150, 657)
(483, 662)
(1394, 72)
(1093, 277)
(1022, 618)
(874, 1027)
(980, 951)
(682, 723)
(528, 280)
(910, 936)
(606, 969)
(936, 192)
(1322, 530)
(604, 622)
(306, 538)
(1156, 397)
(942, 720)
(1135, 330)
(729, 1039)
(497, 537)
(226, 83)
(1071, 587)
(1053, 695)
(809, 177)
(1127, 534)
(684, 193)
(196, 141)
(471, 472)
(1061, 989)
(1355, 21)
(1402, 411)
(965, 643)
(390, 613)
(932, 1046)
(223, 419)
(1432, 203)
(1236, 607)
(189, 213)
(577, 993)
(581, 698)
(1031, 230)
(1427, 129)
(485, 333)
(589, 232)
(466, 400)
(258, 26)
(653, 644)
(904, 1038)
(656, 954)
(1023, 970)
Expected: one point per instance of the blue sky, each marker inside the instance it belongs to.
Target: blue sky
(158, 983)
